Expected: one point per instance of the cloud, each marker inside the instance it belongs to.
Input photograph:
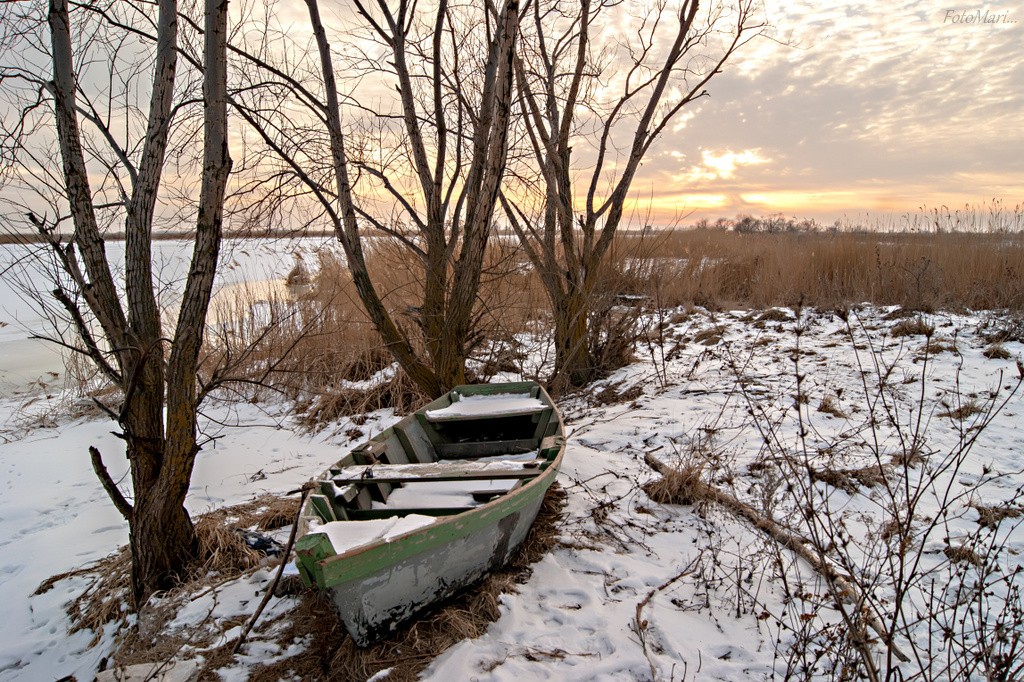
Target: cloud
(721, 165)
(851, 106)
(866, 105)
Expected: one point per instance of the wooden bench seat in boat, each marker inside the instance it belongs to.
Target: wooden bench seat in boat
(438, 471)
(474, 499)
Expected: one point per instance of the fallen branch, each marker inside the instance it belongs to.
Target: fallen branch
(280, 569)
(640, 624)
(792, 542)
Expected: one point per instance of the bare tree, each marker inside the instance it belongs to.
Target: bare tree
(593, 107)
(426, 167)
(118, 325)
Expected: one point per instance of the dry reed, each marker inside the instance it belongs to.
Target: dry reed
(719, 268)
(317, 347)
(223, 555)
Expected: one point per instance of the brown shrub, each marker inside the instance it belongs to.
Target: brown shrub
(996, 351)
(681, 484)
(912, 327)
(991, 517)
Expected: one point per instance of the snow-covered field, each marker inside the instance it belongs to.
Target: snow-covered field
(636, 589)
(714, 605)
(54, 516)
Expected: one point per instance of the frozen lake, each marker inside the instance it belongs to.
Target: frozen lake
(29, 365)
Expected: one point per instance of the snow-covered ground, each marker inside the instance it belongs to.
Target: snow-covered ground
(54, 516)
(713, 602)
(636, 590)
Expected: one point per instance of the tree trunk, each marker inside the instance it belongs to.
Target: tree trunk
(346, 226)
(573, 363)
(162, 454)
(163, 542)
(465, 206)
(450, 361)
(99, 291)
(162, 539)
(556, 71)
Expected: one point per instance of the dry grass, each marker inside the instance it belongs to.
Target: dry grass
(104, 600)
(996, 351)
(915, 326)
(921, 272)
(830, 405)
(775, 315)
(992, 516)
(312, 343)
(850, 480)
(315, 345)
(222, 548)
(680, 484)
(297, 342)
(614, 394)
(223, 553)
(935, 346)
(334, 402)
(965, 410)
(910, 456)
(962, 554)
(710, 336)
(328, 653)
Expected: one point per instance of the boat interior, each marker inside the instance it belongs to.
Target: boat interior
(459, 452)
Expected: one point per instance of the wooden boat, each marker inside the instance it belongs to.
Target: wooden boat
(429, 506)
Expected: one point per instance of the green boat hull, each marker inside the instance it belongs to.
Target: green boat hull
(378, 586)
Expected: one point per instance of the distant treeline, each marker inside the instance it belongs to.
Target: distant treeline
(994, 217)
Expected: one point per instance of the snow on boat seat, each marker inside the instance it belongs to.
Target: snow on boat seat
(487, 406)
(439, 471)
(446, 494)
(483, 424)
(346, 536)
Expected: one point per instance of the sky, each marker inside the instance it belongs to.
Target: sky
(856, 109)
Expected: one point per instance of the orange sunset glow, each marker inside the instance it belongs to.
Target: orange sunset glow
(852, 109)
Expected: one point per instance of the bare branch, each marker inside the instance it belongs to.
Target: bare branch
(122, 505)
